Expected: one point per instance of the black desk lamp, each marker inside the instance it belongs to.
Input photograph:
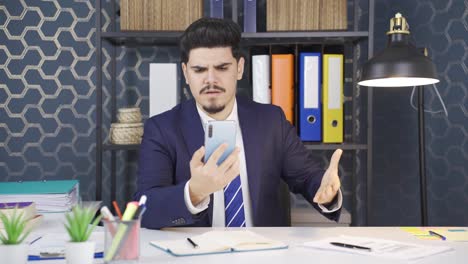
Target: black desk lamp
(402, 64)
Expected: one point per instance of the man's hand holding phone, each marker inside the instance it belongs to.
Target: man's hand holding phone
(207, 178)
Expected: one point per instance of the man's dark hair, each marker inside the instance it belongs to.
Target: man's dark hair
(210, 33)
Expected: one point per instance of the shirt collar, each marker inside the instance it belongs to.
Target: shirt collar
(205, 118)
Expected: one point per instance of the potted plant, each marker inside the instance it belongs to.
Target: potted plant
(12, 250)
(78, 225)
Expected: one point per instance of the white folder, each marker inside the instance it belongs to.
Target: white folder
(163, 87)
(261, 79)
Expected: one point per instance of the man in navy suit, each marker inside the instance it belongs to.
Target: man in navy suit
(243, 190)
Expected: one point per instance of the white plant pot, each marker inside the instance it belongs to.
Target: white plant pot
(80, 252)
(14, 253)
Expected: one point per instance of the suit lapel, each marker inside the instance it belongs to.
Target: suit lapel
(250, 133)
(191, 126)
(193, 133)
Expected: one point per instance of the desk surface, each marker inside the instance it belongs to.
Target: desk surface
(294, 236)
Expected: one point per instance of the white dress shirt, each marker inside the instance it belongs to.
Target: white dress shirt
(218, 197)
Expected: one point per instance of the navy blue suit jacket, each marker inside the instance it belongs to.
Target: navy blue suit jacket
(273, 152)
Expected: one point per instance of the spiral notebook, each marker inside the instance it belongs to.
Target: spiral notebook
(215, 242)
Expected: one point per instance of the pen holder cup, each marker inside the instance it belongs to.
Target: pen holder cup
(122, 241)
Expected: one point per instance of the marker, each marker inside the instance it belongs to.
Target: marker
(107, 214)
(109, 218)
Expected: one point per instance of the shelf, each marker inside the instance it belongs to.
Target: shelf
(271, 38)
(120, 147)
(344, 146)
(142, 38)
(308, 145)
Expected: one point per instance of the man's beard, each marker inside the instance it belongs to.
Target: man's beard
(213, 109)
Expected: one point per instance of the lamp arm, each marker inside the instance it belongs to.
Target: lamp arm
(428, 110)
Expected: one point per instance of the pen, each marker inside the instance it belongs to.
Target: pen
(339, 244)
(141, 207)
(117, 209)
(35, 240)
(191, 242)
(437, 235)
(142, 201)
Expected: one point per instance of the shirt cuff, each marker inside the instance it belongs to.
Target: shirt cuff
(194, 209)
(333, 207)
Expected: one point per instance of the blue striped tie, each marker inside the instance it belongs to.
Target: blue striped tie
(234, 204)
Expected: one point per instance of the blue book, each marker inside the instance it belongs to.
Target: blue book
(250, 15)
(216, 8)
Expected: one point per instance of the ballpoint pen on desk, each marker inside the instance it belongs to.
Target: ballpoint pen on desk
(437, 235)
(35, 240)
(195, 245)
(350, 246)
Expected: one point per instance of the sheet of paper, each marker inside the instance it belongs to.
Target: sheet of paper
(419, 232)
(53, 244)
(380, 247)
(453, 233)
(459, 234)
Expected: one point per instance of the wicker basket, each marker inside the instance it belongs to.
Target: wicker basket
(129, 115)
(126, 134)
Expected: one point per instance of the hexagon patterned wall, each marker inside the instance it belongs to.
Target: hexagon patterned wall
(47, 91)
(441, 26)
(48, 106)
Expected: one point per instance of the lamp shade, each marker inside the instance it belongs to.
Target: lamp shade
(400, 64)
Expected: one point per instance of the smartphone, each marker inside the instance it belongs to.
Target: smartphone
(217, 133)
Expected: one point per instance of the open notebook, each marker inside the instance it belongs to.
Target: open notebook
(214, 242)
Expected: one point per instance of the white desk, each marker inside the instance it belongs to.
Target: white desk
(294, 236)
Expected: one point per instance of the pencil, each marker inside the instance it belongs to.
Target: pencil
(117, 209)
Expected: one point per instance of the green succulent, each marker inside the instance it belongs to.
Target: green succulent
(79, 220)
(15, 228)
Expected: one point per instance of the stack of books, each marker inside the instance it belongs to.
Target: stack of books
(48, 196)
(164, 15)
(306, 15)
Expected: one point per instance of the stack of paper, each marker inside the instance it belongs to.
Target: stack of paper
(378, 247)
(49, 196)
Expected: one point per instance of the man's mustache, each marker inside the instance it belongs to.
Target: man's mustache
(213, 87)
